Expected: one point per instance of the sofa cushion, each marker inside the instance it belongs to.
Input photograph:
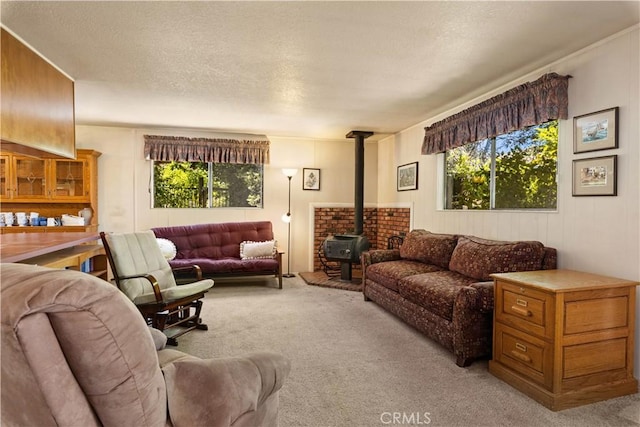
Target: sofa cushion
(388, 273)
(479, 258)
(229, 265)
(434, 291)
(215, 240)
(427, 247)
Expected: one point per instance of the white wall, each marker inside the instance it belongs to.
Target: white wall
(124, 200)
(594, 234)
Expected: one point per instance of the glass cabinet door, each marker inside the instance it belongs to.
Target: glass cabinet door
(29, 178)
(5, 186)
(70, 179)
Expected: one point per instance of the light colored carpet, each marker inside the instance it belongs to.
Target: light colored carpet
(354, 364)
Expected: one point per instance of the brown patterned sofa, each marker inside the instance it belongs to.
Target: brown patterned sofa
(440, 284)
(216, 248)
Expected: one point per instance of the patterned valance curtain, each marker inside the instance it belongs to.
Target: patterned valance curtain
(214, 150)
(529, 104)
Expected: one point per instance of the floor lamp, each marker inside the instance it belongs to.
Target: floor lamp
(289, 173)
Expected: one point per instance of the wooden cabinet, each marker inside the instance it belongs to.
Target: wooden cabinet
(51, 187)
(37, 113)
(5, 178)
(565, 338)
(26, 179)
(70, 179)
(29, 178)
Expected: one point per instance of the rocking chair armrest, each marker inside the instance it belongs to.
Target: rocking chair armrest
(195, 268)
(137, 276)
(151, 279)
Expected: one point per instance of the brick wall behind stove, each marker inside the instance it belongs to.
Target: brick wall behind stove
(378, 226)
(392, 222)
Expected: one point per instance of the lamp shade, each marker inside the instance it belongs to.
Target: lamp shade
(289, 172)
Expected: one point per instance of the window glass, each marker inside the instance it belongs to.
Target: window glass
(512, 171)
(206, 185)
(468, 171)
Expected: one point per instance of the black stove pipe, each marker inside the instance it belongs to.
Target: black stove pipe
(359, 136)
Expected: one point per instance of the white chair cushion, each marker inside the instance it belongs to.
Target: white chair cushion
(181, 291)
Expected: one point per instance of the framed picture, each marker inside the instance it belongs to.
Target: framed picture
(595, 176)
(595, 131)
(408, 177)
(311, 179)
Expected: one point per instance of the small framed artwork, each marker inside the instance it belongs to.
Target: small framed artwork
(595, 131)
(596, 176)
(408, 177)
(311, 179)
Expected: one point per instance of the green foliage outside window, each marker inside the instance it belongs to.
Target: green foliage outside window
(521, 165)
(206, 185)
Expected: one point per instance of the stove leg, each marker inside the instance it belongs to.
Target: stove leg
(345, 271)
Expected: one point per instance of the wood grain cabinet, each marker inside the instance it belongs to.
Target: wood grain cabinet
(565, 338)
(37, 104)
(51, 187)
(28, 178)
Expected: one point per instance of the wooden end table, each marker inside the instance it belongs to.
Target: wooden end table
(564, 338)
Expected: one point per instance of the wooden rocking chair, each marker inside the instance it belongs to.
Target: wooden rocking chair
(143, 274)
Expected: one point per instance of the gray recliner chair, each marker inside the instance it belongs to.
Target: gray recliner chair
(76, 352)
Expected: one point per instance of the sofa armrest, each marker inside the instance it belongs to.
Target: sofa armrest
(217, 392)
(278, 257)
(550, 260)
(379, 255)
(477, 296)
(484, 296)
(472, 322)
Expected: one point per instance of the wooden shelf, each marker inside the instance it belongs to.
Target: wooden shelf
(67, 258)
(73, 259)
(56, 250)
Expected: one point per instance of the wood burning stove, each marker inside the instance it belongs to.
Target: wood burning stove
(347, 248)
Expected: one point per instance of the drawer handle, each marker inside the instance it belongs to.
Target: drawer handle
(521, 356)
(521, 311)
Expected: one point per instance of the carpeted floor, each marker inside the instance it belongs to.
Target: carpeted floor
(353, 364)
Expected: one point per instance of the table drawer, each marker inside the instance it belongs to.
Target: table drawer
(525, 309)
(525, 354)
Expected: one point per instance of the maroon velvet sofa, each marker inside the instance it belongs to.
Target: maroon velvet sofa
(441, 285)
(216, 248)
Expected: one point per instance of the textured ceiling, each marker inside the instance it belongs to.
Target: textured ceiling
(305, 69)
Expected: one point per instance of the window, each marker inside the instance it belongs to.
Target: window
(511, 171)
(206, 185)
